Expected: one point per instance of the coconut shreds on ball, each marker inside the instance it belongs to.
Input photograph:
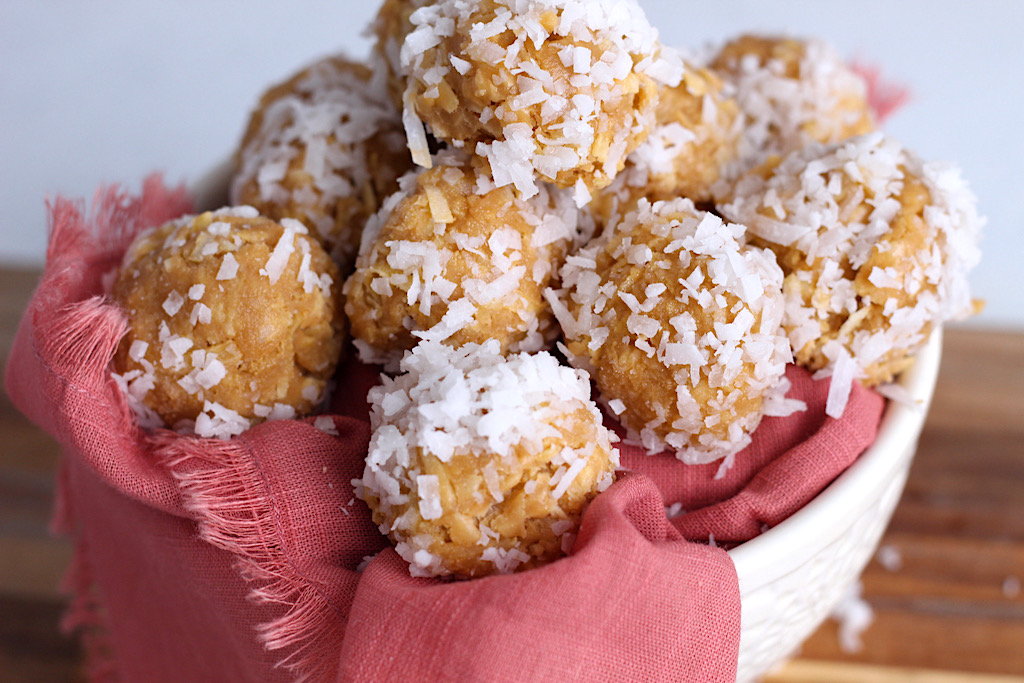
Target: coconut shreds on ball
(233, 319)
(452, 258)
(325, 147)
(876, 245)
(694, 139)
(390, 26)
(481, 464)
(556, 90)
(680, 327)
(791, 92)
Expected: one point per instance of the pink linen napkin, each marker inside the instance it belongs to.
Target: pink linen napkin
(251, 559)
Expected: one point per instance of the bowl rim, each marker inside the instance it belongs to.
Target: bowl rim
(771, 555)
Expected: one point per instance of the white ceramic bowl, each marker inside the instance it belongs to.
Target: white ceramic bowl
(793, 575)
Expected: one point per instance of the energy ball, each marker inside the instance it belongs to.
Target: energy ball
(560, 89)
(481, 464)
(452, 258)
(694, 138)
(792, 93)
(875, 245)
(679, 325)
(233, 319)
(389, 29)
(326, 148)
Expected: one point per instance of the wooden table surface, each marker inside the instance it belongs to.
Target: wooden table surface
(948, 603)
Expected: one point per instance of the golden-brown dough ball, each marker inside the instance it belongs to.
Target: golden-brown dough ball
(694, 138)
(389, 28)
(325, 147)
(481, 464)
(560, 91)
(451, 257)
(875, 245)
(792, 92)
(679, 325)
(233, 319)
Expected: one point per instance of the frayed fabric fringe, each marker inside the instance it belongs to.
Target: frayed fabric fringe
(224, 489)
(885, 97)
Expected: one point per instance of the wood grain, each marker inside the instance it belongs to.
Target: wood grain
(948, 612)
(953, 604)
(32, 648)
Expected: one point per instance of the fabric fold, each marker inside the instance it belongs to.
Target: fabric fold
(633, 601)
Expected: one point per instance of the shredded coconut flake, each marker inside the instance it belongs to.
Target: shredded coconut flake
(854, 616)
(326, 425)
(201, 313)
(890, 557)
(228, 267)
(843, 375)
(173, 303)
(219, 422)
(428, 486)
(278, 260)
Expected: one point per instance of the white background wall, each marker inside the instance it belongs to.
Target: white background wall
(109, 90)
